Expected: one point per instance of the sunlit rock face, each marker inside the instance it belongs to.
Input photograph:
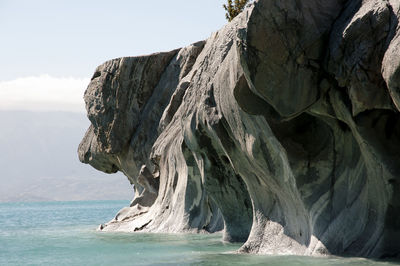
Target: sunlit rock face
(282, 129)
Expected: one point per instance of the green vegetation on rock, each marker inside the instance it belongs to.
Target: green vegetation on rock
(234, 8)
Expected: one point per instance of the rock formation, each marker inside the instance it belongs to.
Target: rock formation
(282, 129)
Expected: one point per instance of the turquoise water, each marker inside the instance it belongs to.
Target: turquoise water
(63, 233)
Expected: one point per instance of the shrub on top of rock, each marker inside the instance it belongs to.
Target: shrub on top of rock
(234, 8)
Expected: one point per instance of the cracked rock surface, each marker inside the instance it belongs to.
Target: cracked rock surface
(282, 129)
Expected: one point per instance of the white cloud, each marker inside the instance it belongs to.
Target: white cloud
(43, 93)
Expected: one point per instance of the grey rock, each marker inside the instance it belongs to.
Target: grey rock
(358, 43)
(282, 129)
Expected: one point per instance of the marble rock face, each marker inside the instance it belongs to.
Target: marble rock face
(282, 129)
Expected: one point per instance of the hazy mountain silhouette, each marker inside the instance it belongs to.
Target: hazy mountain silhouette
(38, 160)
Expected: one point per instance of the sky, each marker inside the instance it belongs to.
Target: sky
(50, 48)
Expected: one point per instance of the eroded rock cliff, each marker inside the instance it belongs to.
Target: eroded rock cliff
(282, 129)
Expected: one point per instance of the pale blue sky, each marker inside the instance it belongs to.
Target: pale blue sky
(66, 38)
(50, 48)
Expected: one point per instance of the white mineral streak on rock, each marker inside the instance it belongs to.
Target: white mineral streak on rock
(282, 129)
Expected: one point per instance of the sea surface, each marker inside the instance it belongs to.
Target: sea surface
(64, 233)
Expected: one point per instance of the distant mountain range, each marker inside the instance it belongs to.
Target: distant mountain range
(39, 162)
